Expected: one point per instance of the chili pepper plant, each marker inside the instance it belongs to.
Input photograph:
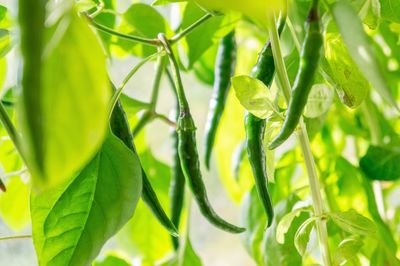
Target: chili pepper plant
(132, 133)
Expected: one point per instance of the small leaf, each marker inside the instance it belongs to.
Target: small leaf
(73, 221)
(112, 260)
(354, 223)
(347, 251)
(381, 163)
(286, 222)
(303, 235)
(165, 2)
(256, 10)
(360, 48)
(254, 96)
(350, 84)
(319, 101)
(187, 255)
(132, 106)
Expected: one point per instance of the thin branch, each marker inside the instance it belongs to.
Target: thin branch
(15, 237)
(189, 29)
(146, 41)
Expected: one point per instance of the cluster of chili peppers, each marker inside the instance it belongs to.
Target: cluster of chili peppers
(186, 163)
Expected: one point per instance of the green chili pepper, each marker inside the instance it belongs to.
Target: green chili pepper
(177, 187)
(237, 159)
(187, 150)
(224, 69)
(264, 70)
(120, 127)
(309, 60)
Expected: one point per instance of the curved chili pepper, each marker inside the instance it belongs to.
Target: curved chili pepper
(120, 127)
(264, 70)
(177, 186)
(191, 168)
(309, 60)
(224, 69)
(187, 149)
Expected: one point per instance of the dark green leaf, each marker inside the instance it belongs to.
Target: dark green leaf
(73, 221)
(381, 163)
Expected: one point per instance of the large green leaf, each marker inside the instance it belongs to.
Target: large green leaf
(360, 48)
(381, 163)
(73, 221)
(64, 118)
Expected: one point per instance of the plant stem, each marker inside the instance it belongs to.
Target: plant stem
(160, 67)
(11, 131)
(189, 29)
(136, 68)
(146, 41)
(183, 104)
(305, 146)
(15, 237)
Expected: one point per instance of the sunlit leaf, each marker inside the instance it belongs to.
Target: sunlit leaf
(112, 260)
(354, 223)
(254, 96)
(360, 48)
(302, 236)
(70, 104)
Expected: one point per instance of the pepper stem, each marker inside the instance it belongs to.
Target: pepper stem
(313, 180)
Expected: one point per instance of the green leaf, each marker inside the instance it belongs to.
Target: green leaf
(319, 101)
(144, 21)
(254, 96)
(347, 251)
(286, 222)
(64, 121)
(390, 10)
(381, 163)
(350, 84)
(187, 255)
(144, 236)
(132, 106)
(354, 223)
(256, 10)
(73, 221)
(260, 243)
(302, 236)
(165, 2)
(5, 42)
(204, 67)
(14, 204)
(205, 35)
(112, 260)
(360, 48)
